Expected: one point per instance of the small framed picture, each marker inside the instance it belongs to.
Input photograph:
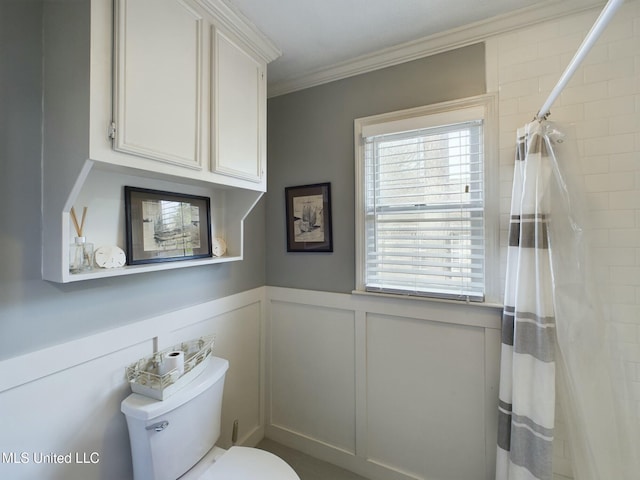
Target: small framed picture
(164, 227)
(308, 218)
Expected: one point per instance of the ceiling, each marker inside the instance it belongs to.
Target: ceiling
(316, 35)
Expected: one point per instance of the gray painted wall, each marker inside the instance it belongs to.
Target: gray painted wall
(35, 313)
(310, 140)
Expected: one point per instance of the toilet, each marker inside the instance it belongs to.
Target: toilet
(175, 438)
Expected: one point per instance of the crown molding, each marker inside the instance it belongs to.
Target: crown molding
(434, 44)
(233, 20)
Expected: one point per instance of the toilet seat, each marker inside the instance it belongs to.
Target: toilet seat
(242, 463)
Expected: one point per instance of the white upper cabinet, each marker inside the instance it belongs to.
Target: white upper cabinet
(189, 91)
(159, 104)
(239, 105)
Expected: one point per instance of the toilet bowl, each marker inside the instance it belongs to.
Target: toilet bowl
(241, 463)
(175, 438)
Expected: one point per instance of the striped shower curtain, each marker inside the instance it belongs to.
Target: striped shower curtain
(527, 370)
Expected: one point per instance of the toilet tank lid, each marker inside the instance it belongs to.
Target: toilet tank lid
(146, 408)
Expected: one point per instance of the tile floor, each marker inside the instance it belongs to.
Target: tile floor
(307, 467)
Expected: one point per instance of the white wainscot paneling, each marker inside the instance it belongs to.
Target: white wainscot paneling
(65, 400)
(425, 397)
(390, 388)
(312, 370)
(72, 412)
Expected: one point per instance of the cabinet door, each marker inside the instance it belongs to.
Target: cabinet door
(159, 84)
(239, 106)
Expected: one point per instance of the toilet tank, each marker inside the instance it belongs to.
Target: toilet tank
(170, 436)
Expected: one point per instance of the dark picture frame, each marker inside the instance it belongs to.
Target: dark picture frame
(308, 218)
(165, 226)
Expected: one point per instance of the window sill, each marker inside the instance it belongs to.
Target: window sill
(491, 305)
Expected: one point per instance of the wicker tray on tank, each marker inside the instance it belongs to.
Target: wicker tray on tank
(144, 378)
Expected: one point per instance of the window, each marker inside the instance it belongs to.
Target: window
(422, 195)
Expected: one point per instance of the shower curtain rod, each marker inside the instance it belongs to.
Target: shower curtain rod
(603, 20)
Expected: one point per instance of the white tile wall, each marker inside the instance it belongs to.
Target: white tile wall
(602, 102)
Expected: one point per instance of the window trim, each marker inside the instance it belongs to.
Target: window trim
(448, 112)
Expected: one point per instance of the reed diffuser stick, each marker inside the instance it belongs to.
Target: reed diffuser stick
(84, 216)
(79, 227)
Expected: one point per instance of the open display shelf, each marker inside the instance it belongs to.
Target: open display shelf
(100, 188)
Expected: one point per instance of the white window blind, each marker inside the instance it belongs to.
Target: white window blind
(424, 211)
